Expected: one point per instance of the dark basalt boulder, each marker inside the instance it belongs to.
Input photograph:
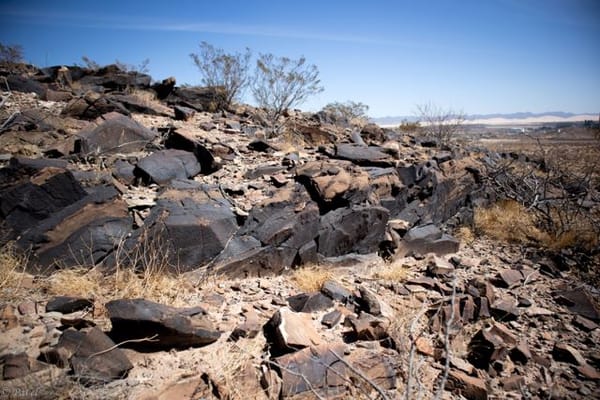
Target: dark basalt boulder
(81, 234)
(91, 355)
(163, 166)
(171, 327)
(189, 226)
(358, 229)
(114, 133)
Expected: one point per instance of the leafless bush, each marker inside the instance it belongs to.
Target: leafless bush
(438, 123)
(352, 111)
(281, 83)
(227, 70)
(562, 196)
(11, 53)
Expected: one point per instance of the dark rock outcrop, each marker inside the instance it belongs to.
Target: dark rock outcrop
(169, 327)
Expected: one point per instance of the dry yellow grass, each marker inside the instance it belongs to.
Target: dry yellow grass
(12, 265)
(395, 271)
(311, 278)
(145, 96)
(465, 234)
(156, 285)
(508, 221)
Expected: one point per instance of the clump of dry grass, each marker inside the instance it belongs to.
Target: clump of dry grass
(311, 278)
(156, 285)
(396, 271)
(465, 234)
(508, 221)
(12, 267)
(144, 272)
(146, 97)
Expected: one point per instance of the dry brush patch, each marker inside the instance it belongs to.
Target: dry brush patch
(311, 278)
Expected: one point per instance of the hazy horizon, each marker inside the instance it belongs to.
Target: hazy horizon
(498, 56)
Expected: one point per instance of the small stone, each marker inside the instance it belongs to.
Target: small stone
(27, 307)
(513, 383)
(505, 310)
(309, 302)
(8, 318)
(68, 304)
(288, 331)
(509, 278)
(584, 324)
(332, 318)
(335, 291)
(521, 353)
(524, 302)
(470, 387)
(461, 364)
(424, 346)
(369, 301)
(566, 353)
(589, 372)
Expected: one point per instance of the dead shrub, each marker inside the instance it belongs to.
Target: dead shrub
(311, 277)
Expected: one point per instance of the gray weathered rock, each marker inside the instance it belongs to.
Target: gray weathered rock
(93, 356)
(359, 229)
(163, 166)
(312, 369)
(427, 239)
(83, 233)
(113, 133)
(68, 304)
(189, 226)
(289, 331)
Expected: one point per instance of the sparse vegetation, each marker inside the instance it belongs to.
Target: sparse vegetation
(311, 278)
(352, 111)
(556, 193)
(11, 53)
(228, 70)
(438, 123)
(12, 265)
(281, 83)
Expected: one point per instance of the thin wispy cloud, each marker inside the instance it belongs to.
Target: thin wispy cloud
(148, 24)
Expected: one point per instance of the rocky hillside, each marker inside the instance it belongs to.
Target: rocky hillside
(320, 263)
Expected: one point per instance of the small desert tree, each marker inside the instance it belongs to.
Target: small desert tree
(352, 111)
(11, 53)
(438, 123)
(228, 70)
(281, 83)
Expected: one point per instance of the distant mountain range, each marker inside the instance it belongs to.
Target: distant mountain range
(501, 119)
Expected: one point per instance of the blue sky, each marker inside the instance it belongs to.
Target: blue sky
(483, 56)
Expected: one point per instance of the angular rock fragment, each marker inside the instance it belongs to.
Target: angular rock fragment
(566, 353)
(309, 302)
(369, 302)
(163, 166)
(490, 344)
(93, 356)
(68, 304)
(288, 331)
(336, 291)
(115, 134)
(364, 155)
(169, 327)
(190, 225)
(469, 387)
(331, 319)
(359, 229)
(81, 234)
(427, 239)
(314, 369)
